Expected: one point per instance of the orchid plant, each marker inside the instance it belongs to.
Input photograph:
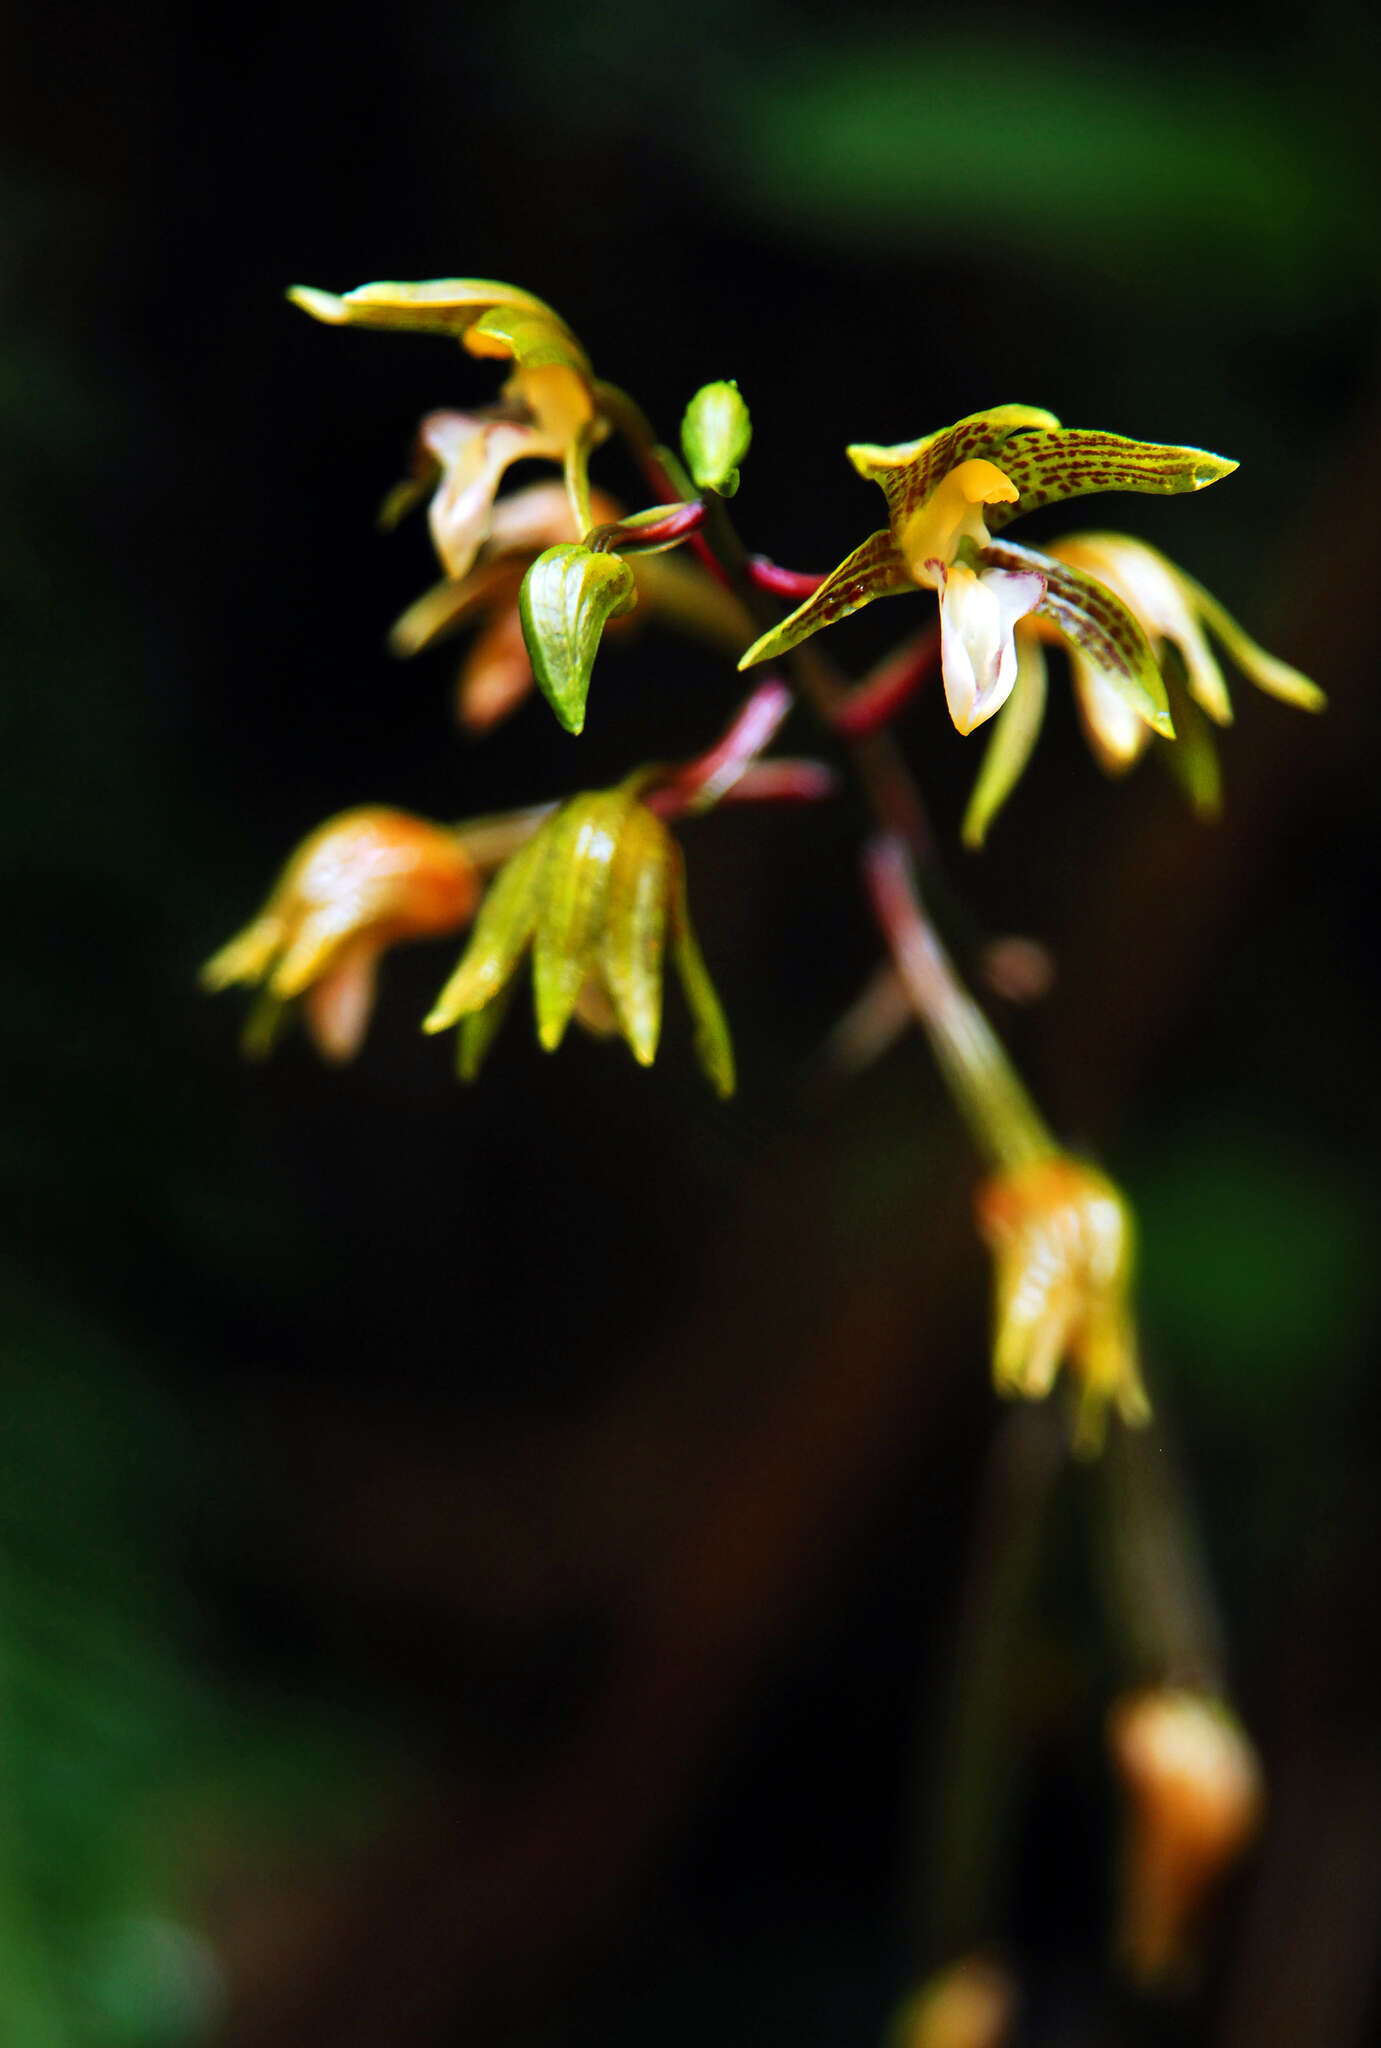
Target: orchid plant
(594, 886)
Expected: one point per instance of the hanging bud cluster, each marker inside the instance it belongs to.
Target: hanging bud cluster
(598, 894)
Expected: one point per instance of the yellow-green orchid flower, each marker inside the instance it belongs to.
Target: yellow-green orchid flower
(1172, 611)
(1064, 1246)
(549, 408)
(947, 495)
(598, 893)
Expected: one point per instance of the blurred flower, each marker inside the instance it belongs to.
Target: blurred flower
(497, 672)
(548, 407)
(362, 882)
(1172, 611)
(1064, 1245)
(972, 2004)
(596, 892)
(1195, 1800)
(946, 495)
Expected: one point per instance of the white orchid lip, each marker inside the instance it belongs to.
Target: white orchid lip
(979, 609)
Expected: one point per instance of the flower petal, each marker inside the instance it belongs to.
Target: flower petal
(1192, 757)
(474, 455)
(910, 471)
(1267, 671)
(1050, 463)
(502, 929)
(337, 1008)
(874, 570)
(978, 611)
(1116, 732)
(496, 674)
(248, 956)
(713, 1046)
(1097, 625)
(440, 305)
(630, 953)
(582, 841)
(1014, 735)
(478, 1031)
(1162, 598)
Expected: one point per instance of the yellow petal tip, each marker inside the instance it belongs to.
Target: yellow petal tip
(327, 306)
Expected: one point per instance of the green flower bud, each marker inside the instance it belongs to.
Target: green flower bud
(715, 434)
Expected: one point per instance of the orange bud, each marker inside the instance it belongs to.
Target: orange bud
(972, 2004)
(1195, 1799)
(365, 880)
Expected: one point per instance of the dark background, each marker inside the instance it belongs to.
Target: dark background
(485, 1565)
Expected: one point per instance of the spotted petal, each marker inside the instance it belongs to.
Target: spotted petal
(874, 570)
(1049, 463)
(1098, 627)
(909, 471)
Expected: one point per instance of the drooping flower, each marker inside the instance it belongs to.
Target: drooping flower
(1064, 1245)
(548, 409)
(971, 2003)
(362, 882)
(1195, 1799)
(496, 674)
(947, 495)
(597, 893)
(1174, 613)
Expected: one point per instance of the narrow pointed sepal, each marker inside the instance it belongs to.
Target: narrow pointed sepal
(1277, 678)
(581, 842)
(635, 929)
(505, 923)
(477, 1033)
(877, 569)
(568, 596)
(1051, 463)
(438, 305)
(1097, 626)
(1193, 757)
(713, 1045)
(1014, 734)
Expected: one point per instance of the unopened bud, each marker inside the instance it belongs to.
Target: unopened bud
(1195, 1799)
(715, 435)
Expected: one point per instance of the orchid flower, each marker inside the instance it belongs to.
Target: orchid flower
(548, 409)
(947, 495)
(1173, 612)
(362, 882)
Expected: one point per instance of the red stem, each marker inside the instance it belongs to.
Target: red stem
(881, 695)
(792, 583)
